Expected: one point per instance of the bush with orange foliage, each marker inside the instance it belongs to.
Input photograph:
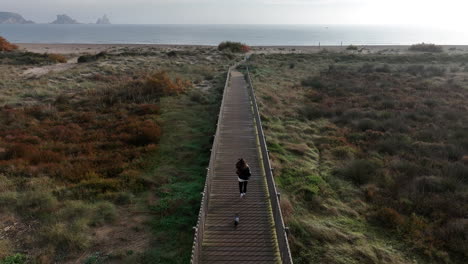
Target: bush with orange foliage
(245, 48)
(57, 58)
(7, 46)
(148, 88)
(160, 83)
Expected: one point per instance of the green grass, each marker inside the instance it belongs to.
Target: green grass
(181, 162)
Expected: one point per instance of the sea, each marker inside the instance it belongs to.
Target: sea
(255, 35)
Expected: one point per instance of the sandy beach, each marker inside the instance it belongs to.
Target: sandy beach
(96, 48)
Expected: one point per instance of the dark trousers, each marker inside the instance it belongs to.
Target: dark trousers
(243, 187)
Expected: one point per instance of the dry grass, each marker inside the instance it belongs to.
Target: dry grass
(85, 138)
(375, 126)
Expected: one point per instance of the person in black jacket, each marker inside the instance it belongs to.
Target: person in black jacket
(243, 173)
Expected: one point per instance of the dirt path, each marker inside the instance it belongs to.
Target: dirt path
(60, 67)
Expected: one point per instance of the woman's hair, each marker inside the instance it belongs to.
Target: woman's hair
(241, 164)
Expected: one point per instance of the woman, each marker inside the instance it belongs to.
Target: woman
(243, 173)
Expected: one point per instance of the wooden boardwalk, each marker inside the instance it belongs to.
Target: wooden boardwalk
(254, 239)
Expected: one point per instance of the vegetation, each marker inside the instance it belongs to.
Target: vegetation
(14, 259)
(369, 153)
(95, 158)
(233, 47)
(57, 58)
(352, 47)
(91, 57)
(30, 58)
(425, 47)
(6, 46)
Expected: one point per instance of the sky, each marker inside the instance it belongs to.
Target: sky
(431, 13)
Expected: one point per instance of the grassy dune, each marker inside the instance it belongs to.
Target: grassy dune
(370, 152)
(104, 162)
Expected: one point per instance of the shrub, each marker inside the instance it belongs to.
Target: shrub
(384, 68)
(394, 144)
(7, 46)
(172, 53)
(161, 83)
(433, 184)
(97, 258)
(390, 218)
(367, 68)
(359, 171)
(73, 210)
(8, 199)
(351, 47)
(91, 58)
(104, 212)
(57, 58)
(343, 152)
(6, 248)
(233, 47)
(6, 184)
(146, 89)
(14, 259)
(141, 133)
(425, 47)
(430, 71)
(36, 203)
(66, 237)
(313, 82)
(366, 124)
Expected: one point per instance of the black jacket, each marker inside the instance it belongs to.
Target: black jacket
(244, 173)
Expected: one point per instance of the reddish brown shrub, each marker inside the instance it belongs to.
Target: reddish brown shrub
(146, 109)
(161, 83)
(57, 58)
(7, 46)
(245, 48)
(370, 191)
(40, 112)
(390, 218)
(45, 156)
(68, 133)
(27, 139)
(20, 151)
(141, 133)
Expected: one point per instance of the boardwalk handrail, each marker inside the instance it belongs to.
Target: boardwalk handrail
(280, 228)
(200, 227)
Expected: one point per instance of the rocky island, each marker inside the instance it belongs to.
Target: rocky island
(64, 19)
(103, 20)
(13, 18)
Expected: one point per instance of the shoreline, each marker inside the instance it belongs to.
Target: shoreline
(69, 48)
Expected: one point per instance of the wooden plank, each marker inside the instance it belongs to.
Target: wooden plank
(253, 240)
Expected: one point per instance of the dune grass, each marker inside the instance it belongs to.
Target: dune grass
(349, 136)
(116, 146)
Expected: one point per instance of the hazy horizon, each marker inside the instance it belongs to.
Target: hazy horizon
(428, 14)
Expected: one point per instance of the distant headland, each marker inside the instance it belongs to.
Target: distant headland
(13, 18)
(63, 19)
